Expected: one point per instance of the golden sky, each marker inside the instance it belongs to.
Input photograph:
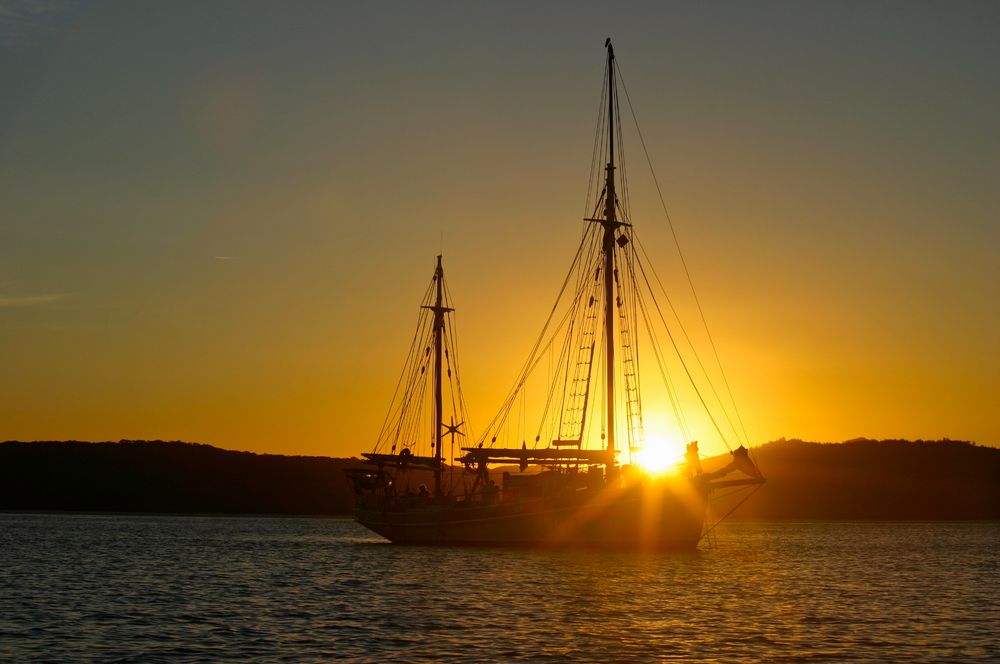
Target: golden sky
(217, 221)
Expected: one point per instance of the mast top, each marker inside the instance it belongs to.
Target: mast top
(438, 306)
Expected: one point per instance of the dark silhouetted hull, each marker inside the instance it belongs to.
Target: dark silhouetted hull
(653, 516)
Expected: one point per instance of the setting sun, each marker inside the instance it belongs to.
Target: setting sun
(659, 454)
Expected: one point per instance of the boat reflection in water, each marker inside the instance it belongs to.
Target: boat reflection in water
(559, 491)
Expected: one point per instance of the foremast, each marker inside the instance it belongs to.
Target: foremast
(439, 311)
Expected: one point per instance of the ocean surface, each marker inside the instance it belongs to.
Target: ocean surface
(187, 588)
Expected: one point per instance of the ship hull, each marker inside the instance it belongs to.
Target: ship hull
(649, 516)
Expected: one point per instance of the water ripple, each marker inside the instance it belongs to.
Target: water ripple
(186, 589)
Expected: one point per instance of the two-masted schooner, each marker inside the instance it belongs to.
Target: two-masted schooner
(568, 486)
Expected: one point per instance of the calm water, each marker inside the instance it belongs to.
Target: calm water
(149, 588)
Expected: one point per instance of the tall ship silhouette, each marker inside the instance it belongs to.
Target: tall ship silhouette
(577, 481)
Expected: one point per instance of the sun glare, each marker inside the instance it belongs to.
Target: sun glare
(659, 454)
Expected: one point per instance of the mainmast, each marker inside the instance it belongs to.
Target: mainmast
(610, 224)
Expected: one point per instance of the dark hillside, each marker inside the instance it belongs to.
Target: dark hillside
(157, 476)
(870, 479)
(862, 479)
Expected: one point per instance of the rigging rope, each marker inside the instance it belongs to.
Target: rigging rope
(680, 253)
(597, 138)
(683, 363)
(694, 350)
(501, 417)
(734, 508)
(453, 327)
(403, 373)
(661, 364)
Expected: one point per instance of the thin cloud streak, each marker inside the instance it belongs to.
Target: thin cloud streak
(31, 300)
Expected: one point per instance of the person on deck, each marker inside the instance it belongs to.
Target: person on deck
(490, 493)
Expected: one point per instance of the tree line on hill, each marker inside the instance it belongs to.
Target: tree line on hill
(859, 479)
(876, 479)
(175, 477)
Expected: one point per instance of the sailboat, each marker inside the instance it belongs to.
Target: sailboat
(577, 483)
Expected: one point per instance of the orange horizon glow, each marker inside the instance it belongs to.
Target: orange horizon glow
(227, 243)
